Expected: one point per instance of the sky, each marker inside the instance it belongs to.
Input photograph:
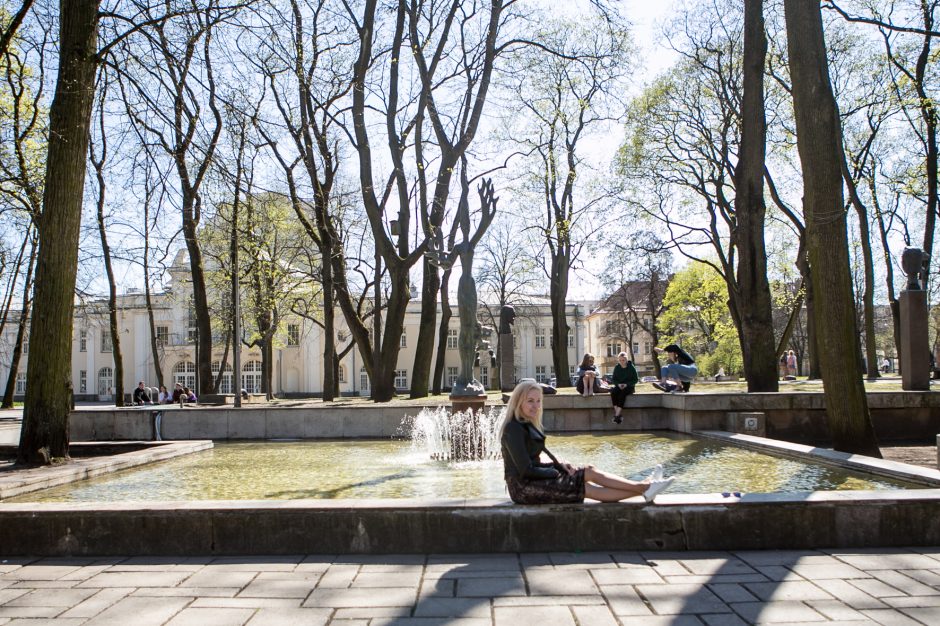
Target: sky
(653, 57)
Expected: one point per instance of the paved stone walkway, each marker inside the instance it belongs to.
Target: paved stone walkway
(874, 586)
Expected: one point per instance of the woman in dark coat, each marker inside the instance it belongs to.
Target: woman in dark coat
(533, 481)
(622, 383)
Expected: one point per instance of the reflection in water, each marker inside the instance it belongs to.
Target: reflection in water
(397, 469)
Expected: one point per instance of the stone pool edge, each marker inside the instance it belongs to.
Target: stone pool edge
(21, 481)
(676, 522)
(828, 456)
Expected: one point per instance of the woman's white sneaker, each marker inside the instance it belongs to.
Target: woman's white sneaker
(656, 487)
(657, 473)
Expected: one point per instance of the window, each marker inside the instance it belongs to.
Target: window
(610, 328)
(363, 379)
(293, 334)
(614, 348)
(540, 375)
(163, 335)
(636, 348)
(451, 338)
(401, 379)
(83, 341)
(20, 383)
(539, 337)
(342, 374)
(515, 341)
(647, 348)
(251, 376)
(82, 381)
(184, 373)
(225, 386)
(26, 343)
(105, 381)
(570, 339)
(404, 339)
(485, 376)
(106, 341)
(451, 376)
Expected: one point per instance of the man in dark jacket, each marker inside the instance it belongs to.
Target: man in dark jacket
(141, 394)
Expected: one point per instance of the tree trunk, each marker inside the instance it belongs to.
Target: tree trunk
(893, 303)
(754, 301)
(44, 436)
(443, 329)
(200, 300)
(154, 348)
(10, 390)
(868, 297)
(217, 383)
(116, 354)
(424, 348)
(558, 293)
(330, 362)
(819, 142)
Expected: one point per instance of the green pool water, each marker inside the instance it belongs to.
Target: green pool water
(396, 469)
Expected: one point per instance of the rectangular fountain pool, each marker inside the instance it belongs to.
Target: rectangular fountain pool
(358, 469)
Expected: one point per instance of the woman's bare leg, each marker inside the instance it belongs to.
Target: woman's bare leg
(612, 481)
(606, 494)
(589, 384)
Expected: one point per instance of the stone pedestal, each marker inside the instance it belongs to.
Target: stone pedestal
(507, 367)
(462, 403)
(915, 349)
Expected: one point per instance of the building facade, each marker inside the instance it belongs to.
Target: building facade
(298, 348)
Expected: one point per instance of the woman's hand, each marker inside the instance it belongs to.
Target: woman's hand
(569, 468)
(622, 385)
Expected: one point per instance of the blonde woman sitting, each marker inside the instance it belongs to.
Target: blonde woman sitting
(532, 481)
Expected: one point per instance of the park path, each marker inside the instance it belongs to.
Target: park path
(870, 586)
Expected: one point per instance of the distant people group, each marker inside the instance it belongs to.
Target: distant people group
(180, 394)
(788, 368)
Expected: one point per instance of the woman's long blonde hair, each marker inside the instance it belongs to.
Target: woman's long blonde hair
(515, 401)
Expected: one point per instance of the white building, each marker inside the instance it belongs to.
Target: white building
(298, 352)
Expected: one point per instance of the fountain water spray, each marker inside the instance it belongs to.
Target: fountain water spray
(461, 436)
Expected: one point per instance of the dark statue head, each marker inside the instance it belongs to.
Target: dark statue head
(913, 261)
(507, 315)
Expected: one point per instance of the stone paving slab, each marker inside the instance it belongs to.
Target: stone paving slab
(870, 586)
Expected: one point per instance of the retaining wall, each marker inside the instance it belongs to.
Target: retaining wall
(799, 417)
(676, 522)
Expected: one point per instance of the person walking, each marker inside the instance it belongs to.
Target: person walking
(622, 383)
(532, 481)
(791, 363)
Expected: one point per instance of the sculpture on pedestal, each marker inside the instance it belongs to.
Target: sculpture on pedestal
(915, 353)
(470, 335)
(507, 374)
(914, 263)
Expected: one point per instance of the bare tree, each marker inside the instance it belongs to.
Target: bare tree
(44, 436)
(819, 140)
(567, 96)
(167, 93)
(751, 291)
